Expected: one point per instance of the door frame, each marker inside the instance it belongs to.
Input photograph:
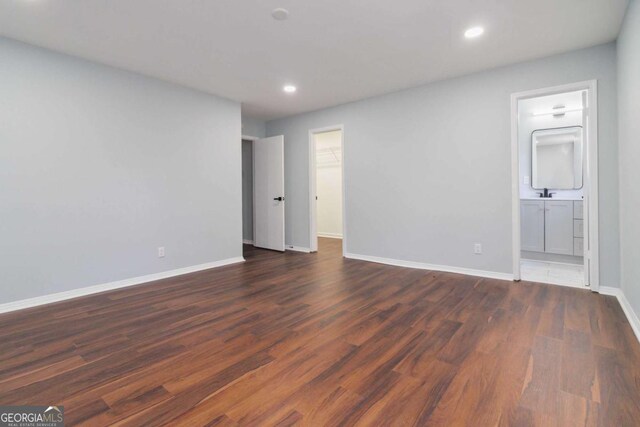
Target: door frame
(590, 185)
(252, 140)
(313, 211)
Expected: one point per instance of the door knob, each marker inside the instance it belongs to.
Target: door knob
(280, 199)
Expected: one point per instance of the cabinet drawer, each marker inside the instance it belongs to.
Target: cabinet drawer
(578, 246)
(578, 207)
(578, 228)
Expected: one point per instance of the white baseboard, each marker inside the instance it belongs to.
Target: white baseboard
(632, 317)
(247, 242)
(75, 293)
(425, 266)
(297, 249)
(330, 235)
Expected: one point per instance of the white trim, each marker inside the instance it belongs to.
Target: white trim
(313, 220)
(610, 290)
(425, 266)
(592, 255)
(247, 242)
(297, 249)
(75, 293)
(632, 317)
(515, 189)
(330, 235)
(249, 138)
(591, 202)
(313, 212)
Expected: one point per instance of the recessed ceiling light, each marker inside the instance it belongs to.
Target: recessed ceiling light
(289, 88)
(280, 14)
(473, 32)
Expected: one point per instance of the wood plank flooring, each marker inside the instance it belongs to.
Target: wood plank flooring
(314, 339)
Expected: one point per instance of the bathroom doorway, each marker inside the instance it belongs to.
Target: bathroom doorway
(326, 189)
(554, 169)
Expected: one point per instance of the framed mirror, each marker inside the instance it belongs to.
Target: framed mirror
(557, 158)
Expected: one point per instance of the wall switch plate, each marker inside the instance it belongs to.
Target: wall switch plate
(477, 248)
(161, 252)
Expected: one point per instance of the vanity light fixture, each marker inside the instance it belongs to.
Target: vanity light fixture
(557, 111)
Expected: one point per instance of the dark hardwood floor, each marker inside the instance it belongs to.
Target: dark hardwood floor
(315, 339)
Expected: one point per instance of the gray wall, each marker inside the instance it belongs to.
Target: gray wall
(629, 120)
(99, 167)
(428, 170)
(247, 190)
(253, 127)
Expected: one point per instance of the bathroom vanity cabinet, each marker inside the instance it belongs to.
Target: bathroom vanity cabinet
(552, 226)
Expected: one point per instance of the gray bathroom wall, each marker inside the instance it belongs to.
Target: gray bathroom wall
(629, 121)
(100, 167)
(428, 170)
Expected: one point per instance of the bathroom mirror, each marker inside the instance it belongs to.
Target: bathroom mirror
(557, 158)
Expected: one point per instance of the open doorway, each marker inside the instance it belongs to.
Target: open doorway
(554, 156)
(247, 191)
(327, 189)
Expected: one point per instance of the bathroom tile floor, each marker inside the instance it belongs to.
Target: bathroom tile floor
(552, 272)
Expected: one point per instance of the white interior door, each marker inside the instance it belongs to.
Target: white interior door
(268, 193)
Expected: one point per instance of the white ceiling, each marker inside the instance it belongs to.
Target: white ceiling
(335, 51)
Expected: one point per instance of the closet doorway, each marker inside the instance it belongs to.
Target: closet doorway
(326, 189)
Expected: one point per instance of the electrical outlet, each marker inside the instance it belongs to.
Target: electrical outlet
(526, 180)
(161, 252)
(477, 249)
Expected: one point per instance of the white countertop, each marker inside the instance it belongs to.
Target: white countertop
(560, 199)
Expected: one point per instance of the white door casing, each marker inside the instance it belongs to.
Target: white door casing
(313, 208)
(590, 171)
